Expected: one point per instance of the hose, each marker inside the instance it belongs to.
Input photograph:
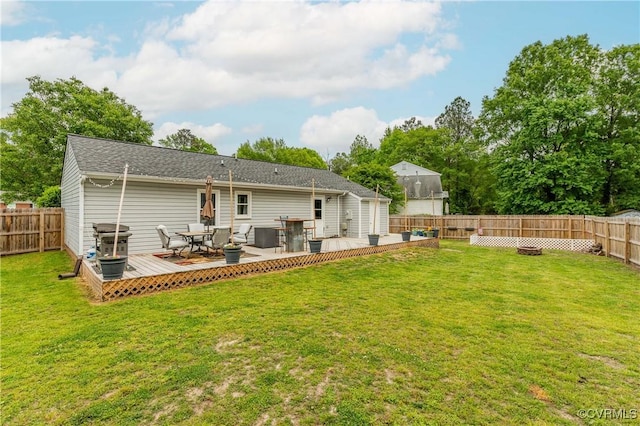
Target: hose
(75, 272)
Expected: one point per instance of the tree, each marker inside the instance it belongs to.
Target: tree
(33, 136)
(617, 94)
(462, 166)
(361, 151)
(184, 140)
(544, 132)
(340, 163)
(276, 151)
(370, 175)
(458, 119)
(411, 124)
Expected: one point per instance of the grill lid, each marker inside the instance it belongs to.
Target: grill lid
(109, 227)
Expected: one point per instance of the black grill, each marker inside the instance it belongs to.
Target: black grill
(105, 235)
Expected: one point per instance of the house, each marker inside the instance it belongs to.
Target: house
(167, 186)
(424, 190)
(15, 204)
(627, 213)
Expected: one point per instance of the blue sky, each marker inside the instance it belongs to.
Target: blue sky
(315, 74)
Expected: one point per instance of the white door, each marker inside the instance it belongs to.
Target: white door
(377, 218)
(318, 214)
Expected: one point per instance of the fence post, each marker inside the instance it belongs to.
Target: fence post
(41, 230)
(607, 242)
(627, 242)
(520, 227)
(61, 229)
(570, 227)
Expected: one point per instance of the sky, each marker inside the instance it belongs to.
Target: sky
(314, 74)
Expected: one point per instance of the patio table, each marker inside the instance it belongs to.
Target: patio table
(294, 233)
(192, 235)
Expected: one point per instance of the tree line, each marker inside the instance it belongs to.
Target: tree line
(560, 136)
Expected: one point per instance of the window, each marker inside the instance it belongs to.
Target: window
(202, 195)
(317, 209)
(243, 204)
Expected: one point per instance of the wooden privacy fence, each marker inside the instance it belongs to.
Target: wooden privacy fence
(29, 230)
(620, 237)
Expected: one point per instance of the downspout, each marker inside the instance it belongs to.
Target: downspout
(339, 215)
(360, 220)
(83, 178)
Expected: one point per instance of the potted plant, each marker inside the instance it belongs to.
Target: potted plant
(429, 232)
(373, 238)
(315, 246)
(113, 266)
(232, 253)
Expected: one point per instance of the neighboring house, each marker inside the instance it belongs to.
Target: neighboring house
(167, 186)
(424, 190)
(16, 204)
(627, 213)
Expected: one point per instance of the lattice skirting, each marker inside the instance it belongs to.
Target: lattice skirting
(548, 243)
(116, 289)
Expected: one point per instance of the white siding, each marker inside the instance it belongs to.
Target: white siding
(147, 205)
(404, 168)
(422, 207)
(384, 218)
(331, 217)
(351, 202)
(70, 200)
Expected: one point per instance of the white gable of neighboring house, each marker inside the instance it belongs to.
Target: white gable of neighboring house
(404, 168)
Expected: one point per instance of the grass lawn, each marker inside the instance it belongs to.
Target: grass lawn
(459, 335)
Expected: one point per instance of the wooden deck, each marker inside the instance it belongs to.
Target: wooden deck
(149, 273)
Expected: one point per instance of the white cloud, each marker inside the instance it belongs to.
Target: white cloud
(13, 12)
(53, 57)
(336, 132)
(232, 52)
(209, 133)
(235, 52)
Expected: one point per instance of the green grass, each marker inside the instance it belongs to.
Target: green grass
(460, 335)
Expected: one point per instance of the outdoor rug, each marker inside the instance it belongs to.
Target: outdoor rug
(197, 258)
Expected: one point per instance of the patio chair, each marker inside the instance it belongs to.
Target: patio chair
(242, 234)
(196, 241)
(220, 238)
(171, 243)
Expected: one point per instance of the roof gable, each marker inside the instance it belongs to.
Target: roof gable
(404, 168)
(96, 156)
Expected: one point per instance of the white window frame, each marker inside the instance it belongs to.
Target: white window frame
(249, 205)
(216, 208)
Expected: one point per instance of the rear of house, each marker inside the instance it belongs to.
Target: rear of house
(166, 186)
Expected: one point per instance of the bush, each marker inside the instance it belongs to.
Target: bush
(50, 197)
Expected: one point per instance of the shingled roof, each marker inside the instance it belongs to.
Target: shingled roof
(96, 156)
